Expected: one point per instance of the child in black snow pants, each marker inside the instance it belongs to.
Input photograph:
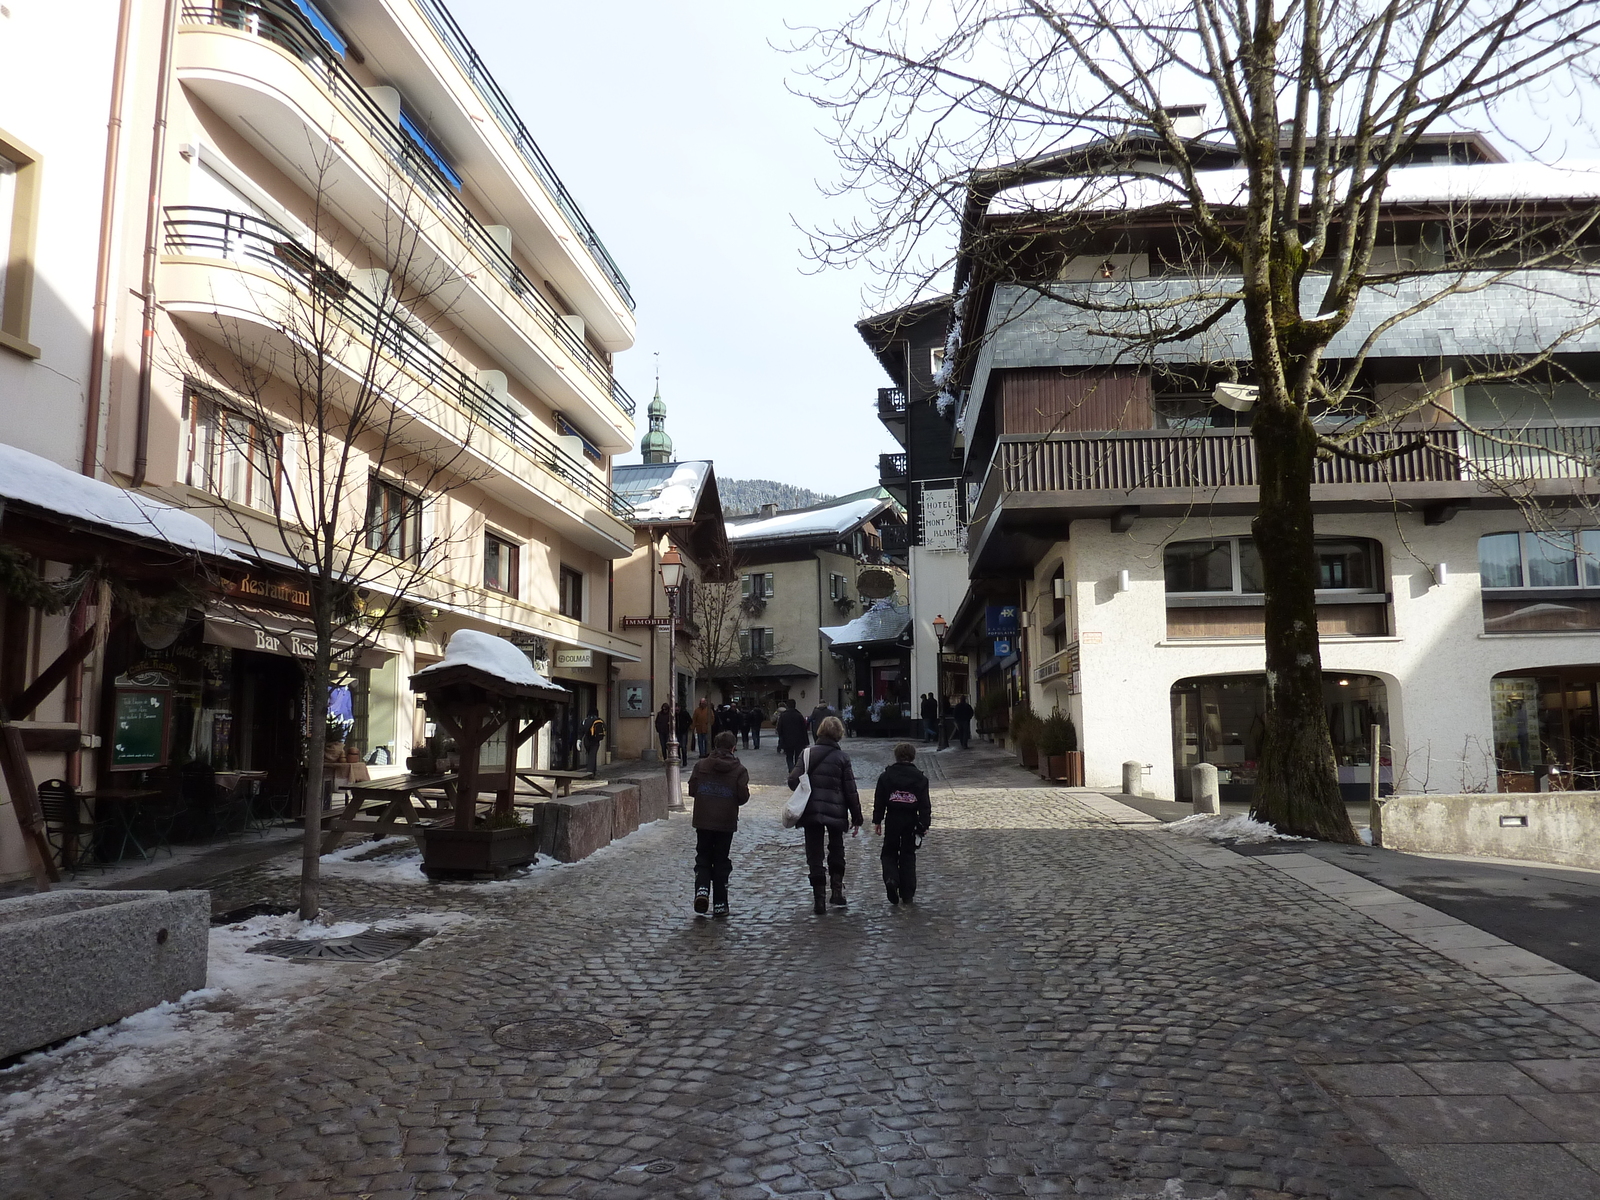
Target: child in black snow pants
(901, 803)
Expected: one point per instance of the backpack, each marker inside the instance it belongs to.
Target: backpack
(596, 729)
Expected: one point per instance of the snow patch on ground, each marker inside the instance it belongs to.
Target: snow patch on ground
(1217, 827)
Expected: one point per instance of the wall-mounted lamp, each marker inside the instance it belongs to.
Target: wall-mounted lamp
(1124, 581)
(1441, 574)
(1060, 588)
(1027, 619)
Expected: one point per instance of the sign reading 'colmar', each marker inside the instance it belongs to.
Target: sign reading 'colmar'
(574, 658)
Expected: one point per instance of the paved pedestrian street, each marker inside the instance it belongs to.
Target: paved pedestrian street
(1077, 1004)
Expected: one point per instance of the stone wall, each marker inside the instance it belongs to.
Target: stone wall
(1562, 828)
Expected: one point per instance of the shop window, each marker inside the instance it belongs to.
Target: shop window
(233, 456)
(499, 564)
(1547, 729)
(1554, 568)
(571, 599)
(394, 520)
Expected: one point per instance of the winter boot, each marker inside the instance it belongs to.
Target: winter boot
(837, 897)
(819, 899)
(719, 899)
(894, 893)
(702, 897)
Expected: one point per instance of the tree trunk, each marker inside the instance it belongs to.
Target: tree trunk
(1297, 788)
(316, 751)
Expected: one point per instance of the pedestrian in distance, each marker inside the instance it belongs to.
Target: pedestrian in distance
(685, 723)
(664, 728)
(901, 813)
(819, 714)
(594, 732)
(754, 718)
(701, 723)
(946, 723)
(719, 785)
(961, 714)
(794, 735)
(834, 807)
(930, 717)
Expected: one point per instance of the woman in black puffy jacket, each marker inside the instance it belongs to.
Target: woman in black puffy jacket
(833, 807)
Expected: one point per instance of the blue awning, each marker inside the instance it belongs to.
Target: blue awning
(420, 140)
(323, 26)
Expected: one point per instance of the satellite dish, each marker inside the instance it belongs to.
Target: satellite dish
(875, 584)
(1240, 397)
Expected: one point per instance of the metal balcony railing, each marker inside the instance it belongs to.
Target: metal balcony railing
(241, 237)
(891, 468)
(891, 402)
(280, 23)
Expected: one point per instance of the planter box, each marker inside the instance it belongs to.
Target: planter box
(73, 961)
(574, 827)
(1063, 768)
(451, 853)
(1029, 756)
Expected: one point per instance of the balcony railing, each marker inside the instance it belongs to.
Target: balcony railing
(505, 115)
(282, 24)
(1203, 461)
(891, 468)
(891, 402)
(240, 237)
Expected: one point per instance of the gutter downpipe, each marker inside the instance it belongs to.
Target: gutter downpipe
(97, 345)
(152, 230)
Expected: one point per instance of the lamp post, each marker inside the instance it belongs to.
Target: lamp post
(672, 581)
(941, 627)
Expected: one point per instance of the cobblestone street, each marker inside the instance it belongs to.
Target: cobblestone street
(1072, 1007)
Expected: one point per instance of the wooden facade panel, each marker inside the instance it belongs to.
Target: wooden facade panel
(1051, 400)
(1333, 620)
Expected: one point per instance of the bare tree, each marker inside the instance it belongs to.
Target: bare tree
(1065, 114)
(334, 421)
(723, 617)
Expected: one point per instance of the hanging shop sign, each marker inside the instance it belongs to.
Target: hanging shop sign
(941, 520)
(276, 591)
(1002, 620)
(1002, 647)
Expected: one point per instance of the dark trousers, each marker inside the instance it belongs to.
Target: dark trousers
(963, 732)
(755, 737)
(899, 857)
(744, 738)
(711, 862)
(930, 729)
(592, 752)
(814, 836)
(792, 756)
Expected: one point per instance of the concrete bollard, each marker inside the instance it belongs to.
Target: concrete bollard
(1203, 782)
(1132, 778)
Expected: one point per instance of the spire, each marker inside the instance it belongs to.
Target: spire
(656, 446)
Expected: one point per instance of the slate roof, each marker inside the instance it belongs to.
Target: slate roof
(661, 493)
(883, 622)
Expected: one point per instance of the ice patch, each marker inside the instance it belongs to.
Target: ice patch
(346, 853)
(1238, 828)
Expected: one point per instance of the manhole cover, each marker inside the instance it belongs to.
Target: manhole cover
(553, 1033)
(660, 1167)
(363, 947)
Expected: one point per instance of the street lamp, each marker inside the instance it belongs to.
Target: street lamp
(940, 628)
(672, 581)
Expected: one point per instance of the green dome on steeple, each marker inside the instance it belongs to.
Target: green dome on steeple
(656, 446)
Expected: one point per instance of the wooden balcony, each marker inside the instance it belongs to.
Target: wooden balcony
(1034, 486)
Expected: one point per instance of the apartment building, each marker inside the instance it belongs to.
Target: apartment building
(339, 286)
(1111, 571)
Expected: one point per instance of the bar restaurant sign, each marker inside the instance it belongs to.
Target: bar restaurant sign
(278, 591)
(574, 659)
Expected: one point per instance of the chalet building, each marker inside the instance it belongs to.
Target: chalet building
(800, 570)
(1110, 569)
(266, 176)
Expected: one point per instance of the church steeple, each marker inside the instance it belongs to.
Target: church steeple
(656, 446)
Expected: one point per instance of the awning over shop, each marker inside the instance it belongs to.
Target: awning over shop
(245, 628)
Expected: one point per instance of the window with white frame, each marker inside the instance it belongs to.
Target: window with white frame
(235, 456)
(756, 643)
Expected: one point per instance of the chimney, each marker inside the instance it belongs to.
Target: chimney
(769, 510)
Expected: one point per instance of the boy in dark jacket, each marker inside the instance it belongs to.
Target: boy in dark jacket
(901, 802)
(720, 785)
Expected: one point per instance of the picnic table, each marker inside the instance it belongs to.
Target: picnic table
(398, 798)
(560, 781)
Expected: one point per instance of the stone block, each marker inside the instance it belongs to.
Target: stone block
(1206, 796)
(574, 827)
(76, 960)
(625, 808)
(1561, 828)
(652, 796)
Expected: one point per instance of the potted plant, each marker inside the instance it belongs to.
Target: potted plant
(1059, 757)
(1025, 733)
(497, 843)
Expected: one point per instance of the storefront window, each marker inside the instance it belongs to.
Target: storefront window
(1547, 729)
(1234, 565)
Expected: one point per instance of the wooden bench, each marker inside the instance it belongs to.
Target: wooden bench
(398, 800)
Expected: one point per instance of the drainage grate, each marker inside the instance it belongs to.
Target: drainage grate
(363, 947)
(554, 1034)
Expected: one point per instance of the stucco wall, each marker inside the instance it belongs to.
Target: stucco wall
(938, 582)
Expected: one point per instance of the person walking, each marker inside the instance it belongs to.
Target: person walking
(961, 714)
(930, 718)
(793, 734)
(719, 786)
(664, 728)
(754, 718)
(685, 723)
(594, 732)
(901, 813)
(834, 806)
(701, 723)
(819, 714)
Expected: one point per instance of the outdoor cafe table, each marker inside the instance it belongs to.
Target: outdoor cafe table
(125, 804)
(397, 797)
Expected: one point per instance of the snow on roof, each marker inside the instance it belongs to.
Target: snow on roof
(29, 479)
(835, 519)
(661, 492)
(489, 654)
(1578, 179)
(883, 622)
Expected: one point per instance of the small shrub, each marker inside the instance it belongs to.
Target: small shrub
(1057, 735)
(1024, 728)
(508, 820)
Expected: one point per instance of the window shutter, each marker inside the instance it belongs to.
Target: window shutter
(768, 578)
(744, 585)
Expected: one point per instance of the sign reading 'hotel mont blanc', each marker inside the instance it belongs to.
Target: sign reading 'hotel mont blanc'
(941, 520)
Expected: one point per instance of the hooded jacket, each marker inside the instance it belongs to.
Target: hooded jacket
(902, 778)
(720, 784)
(834, 801)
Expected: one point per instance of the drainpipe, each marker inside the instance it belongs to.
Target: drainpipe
(102, 266)
(152, 237)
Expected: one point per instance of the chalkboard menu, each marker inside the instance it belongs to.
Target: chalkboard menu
(140, 723)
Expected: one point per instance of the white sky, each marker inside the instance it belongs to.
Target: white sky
(671, 125)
